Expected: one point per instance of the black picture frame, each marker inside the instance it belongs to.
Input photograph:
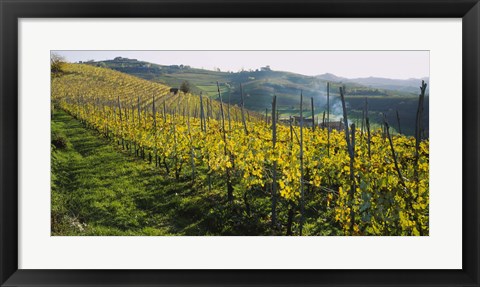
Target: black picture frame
(11, 11)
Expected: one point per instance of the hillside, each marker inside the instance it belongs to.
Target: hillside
(400, 86)
(112, 89)
(129, 157)
(387, 95)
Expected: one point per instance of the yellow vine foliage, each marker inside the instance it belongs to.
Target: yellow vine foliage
(381, 205)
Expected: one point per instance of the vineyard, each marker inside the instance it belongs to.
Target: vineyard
(273, 177)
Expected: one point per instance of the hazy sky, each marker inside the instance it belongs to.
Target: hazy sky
(349, 64)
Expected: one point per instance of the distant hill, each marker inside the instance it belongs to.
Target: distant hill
(261, 84)
(410, 85)
(331, 77)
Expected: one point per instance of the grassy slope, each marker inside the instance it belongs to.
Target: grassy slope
(98, 189)
(112, 192)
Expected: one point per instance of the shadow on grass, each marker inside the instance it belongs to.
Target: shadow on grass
(111, 192)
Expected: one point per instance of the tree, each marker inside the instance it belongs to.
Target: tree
(185, 87)
(56, 63)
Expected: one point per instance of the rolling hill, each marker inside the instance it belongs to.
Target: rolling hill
(385, 95)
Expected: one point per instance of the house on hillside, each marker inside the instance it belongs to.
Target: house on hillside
(339, 126)
(306, 121)
(285, 121)
(121, 59)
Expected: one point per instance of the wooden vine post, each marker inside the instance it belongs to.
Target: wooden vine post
(228, 114)
(274, 180)
(164, 112)
(418, 128)
(313, 115)
(139, 124)
(394, 155)
(176, 170)
(243, 110)
(328, 119)
(418, 139)
(351, 148)
(229, 182)
(192, 152)
(302, 195)
(154, 114)
(202, 115)
(121, 124)
(398, 122)
(367, 123)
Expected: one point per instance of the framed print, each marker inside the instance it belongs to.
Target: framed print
(230, 143)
